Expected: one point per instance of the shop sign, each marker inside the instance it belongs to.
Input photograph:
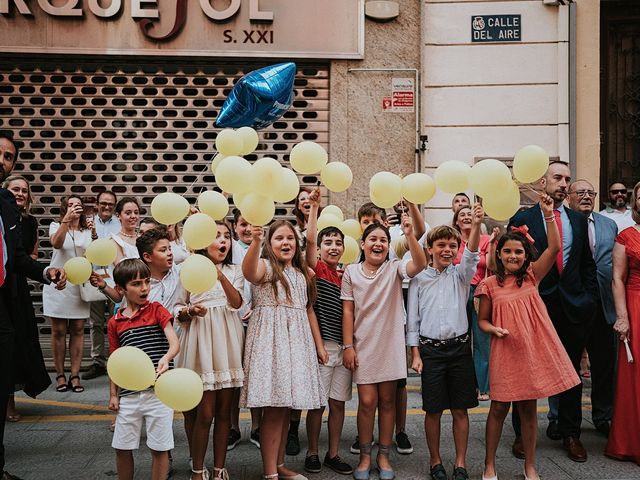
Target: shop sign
(235, 28)
(402, 95)
(496, 28)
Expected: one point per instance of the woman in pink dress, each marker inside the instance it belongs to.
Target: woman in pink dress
(527, 360)
(623, 441)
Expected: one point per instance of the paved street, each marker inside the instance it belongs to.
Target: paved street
(66, 436)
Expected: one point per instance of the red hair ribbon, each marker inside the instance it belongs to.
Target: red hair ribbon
(524, 231)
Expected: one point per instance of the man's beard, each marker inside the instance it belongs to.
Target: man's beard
(620, 201)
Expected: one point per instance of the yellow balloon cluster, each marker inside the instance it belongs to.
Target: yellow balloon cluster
(351, 227)
(333, 210)
(233, 173)
(250, 140)
(452, 176)
(287, 187)
(101, 252)
(505, 205)
(216, 161)
(180, 389)
(308, 158)
(78, 270)
(328, 220)
(131, 368)
(336, 176)
(169, 208)
(265, 173)
(530, 163)
(213, 204)
(199, 231)
(229, 142)
(418, 188)
(198, 274)
(351, 251)
(385, 189)
(489, 177)
(257, 209)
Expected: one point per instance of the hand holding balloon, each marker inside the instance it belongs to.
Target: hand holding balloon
(257, 234)
(163, 365)
(407, 225)
(546, 204)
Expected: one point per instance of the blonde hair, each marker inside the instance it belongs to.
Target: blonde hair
(27, 204)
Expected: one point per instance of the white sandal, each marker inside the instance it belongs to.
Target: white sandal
(220, 473)
(204, 472)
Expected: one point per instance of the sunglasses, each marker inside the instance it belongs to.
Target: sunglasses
(618, 192)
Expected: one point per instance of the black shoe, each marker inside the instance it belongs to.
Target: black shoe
(438, 472)
(552, 430)
(603, 427)
(234, 439)
(460, 473)
(355, 446)
(337, 465)
(403, 445)
(293, 444)
(312, 464)
(94, 371)
(255, 437)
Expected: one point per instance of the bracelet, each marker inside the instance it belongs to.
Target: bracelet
(552, 217)
(550, 221)
(345, 347)
(101, 289)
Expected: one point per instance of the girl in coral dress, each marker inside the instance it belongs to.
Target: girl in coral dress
(527, 360)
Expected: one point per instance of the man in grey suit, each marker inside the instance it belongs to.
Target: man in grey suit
(601, 343)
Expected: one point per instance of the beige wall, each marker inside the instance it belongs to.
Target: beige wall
(588, 91)
(360, 133)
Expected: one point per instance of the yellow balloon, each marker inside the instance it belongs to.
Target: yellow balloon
(351, 228)
(287, 187)
(169, 208)
(530, 163)
(503, 207)
(266, 172)
(250, 140)
(336, 176)
(78, 270)
(333, 210)
(233, 174)
(351, 251)
(199, 231)
(101, 252)
(229, 142)
(385, 189)
(198, 274)
(418, 188)
(213, 204)
(131, 368)
(328, 220)
(452, 176)
(488, 176)
(216, 161)
(308, 157)
(257, 209)
(180, 389)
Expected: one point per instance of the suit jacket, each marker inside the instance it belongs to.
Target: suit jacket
(576, 289)
(606, 231)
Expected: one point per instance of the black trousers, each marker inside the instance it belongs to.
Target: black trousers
(6, 368)
(601, 346)
(574, 339)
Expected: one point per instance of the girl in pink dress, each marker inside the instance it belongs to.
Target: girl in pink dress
(527, 360)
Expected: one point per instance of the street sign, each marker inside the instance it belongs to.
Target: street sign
(496, 28)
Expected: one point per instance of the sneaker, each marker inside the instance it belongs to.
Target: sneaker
(438, 472)
(293, 444)
(355, 446)
(255, 437)
(94, 371)
(403, 445)
(460, 473)
(234, 439)
(312, 464)
(337, 465)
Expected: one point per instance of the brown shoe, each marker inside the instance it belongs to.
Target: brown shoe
(574, 448)
(517, 449)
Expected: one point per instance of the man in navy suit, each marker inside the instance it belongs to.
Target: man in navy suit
(570, 293)
(601, 343)
(14, 261)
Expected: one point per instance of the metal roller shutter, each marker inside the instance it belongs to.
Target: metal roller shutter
(137, 126)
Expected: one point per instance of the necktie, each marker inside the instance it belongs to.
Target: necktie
(560, 256)
(592, 236)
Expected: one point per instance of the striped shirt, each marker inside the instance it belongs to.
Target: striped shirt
(144, 330)
(328, 306)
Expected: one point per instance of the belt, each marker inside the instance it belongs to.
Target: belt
(434, 342)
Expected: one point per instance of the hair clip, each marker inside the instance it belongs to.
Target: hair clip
(524, 231)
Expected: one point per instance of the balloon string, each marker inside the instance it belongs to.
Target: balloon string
(527, 186)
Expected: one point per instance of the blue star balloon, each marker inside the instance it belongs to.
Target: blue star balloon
(259, 98)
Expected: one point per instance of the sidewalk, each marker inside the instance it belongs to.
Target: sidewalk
(66, 436)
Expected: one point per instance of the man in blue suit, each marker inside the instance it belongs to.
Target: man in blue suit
(601, 344)
(570, 293)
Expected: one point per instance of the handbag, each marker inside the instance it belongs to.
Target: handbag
(88, 293)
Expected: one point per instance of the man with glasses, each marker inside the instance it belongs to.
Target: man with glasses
(601, 341)
(618, 210)
(105, 224)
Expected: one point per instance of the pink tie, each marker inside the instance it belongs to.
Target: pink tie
(560, 256)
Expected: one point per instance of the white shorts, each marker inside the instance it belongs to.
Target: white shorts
(158, 419)
(335, 377)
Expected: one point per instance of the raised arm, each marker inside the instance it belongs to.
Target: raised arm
(418, 220)
(418, 260)
(312, 229)
(252, 268)
(476, 221)
(491, 250)
(548, 258)
(620, 272)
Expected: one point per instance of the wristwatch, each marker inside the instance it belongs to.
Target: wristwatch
(344, 347)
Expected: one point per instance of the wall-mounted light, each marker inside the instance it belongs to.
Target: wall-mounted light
(381, 10)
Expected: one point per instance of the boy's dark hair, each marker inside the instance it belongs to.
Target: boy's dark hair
(442, 232)
(529, 252)
(130, 269)
(8, 134)
(462, 194)
(123, 201)
(147, 241)
(107, 192)
(370, 209)
(149, 221)
(236, 215)
(328, 232)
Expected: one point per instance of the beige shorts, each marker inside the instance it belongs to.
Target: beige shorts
(335, 377)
